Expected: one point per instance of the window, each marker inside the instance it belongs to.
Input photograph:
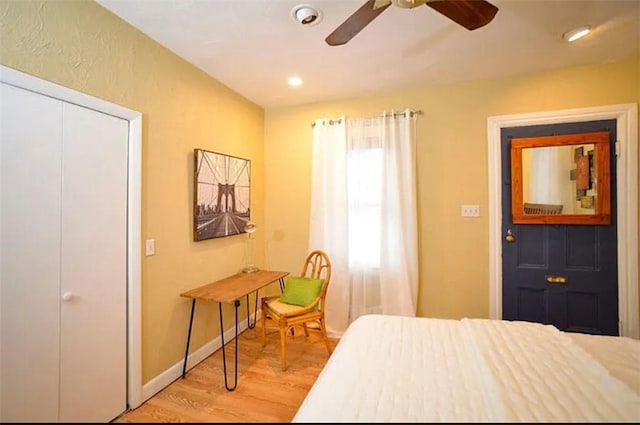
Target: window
(363, 214)
(364, 176)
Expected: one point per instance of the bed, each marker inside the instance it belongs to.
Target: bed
(401, 369)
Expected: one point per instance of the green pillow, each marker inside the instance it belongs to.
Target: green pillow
(301, 290)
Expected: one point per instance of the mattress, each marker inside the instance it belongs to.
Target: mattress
(401, 369)
(619, 355)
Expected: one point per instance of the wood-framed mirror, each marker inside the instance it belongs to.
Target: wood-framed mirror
(561, 179)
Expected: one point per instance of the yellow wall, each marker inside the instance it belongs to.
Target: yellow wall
(81, 45)
(452, 169)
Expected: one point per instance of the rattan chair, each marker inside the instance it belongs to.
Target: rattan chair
(317, 265)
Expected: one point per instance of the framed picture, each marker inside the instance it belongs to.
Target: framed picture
(586, 202)
(578, 153)
(582, 175)
(222, 188)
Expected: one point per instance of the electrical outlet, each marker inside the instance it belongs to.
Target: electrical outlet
(150, 247)
(470, 210)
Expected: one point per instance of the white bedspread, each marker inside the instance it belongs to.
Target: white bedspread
(399, 369)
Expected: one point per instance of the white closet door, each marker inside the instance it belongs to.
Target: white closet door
(63, 199)
(30, 181)
(94, 256)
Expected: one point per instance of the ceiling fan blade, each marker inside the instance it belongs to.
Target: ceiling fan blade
(354, 23)
(471, 14)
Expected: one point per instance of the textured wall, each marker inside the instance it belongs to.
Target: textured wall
(452, 169)
(81, 45)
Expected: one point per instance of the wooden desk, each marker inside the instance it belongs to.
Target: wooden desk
(230, 290)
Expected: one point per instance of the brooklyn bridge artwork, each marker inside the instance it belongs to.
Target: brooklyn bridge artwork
(222, 192)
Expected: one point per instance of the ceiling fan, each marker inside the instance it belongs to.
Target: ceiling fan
(471, 14)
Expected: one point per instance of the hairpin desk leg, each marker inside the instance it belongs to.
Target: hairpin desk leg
(186, 351)
(236, 304)
(255, 313)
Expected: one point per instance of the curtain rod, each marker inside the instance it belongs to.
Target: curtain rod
(395, 114)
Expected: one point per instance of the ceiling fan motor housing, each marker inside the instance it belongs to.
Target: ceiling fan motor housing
(408, 4)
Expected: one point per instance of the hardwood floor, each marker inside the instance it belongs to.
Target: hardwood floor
(264, 392)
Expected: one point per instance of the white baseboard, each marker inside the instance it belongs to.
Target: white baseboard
(162, 380)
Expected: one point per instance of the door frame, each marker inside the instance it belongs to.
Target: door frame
(627, 201)
(134, 197)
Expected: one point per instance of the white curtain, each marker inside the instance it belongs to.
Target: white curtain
(364, 214)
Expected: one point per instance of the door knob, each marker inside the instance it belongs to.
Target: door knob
(510, 238)
(67, 296)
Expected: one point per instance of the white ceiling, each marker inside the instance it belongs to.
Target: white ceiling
(254, 46)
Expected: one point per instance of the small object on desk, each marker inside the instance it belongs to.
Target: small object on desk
(250, 228)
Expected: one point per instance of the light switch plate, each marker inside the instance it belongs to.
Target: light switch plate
(150, 247)
(470, 210)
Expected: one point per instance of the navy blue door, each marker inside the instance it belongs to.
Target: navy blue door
(586, 255)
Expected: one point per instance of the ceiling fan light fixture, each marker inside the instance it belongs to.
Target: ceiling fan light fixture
(306, 15)
(576, 33)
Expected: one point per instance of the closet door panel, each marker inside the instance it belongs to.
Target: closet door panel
(94, 228)
(30, 184)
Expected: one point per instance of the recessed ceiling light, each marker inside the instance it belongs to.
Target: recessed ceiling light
(295, 81)
(306, 15)
(577, 33)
